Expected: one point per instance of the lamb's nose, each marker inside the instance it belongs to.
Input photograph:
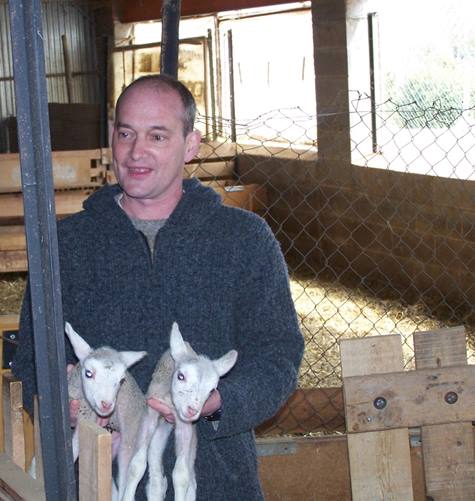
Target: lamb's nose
(191, 411)
(107, 406)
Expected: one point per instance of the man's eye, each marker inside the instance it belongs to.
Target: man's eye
(123, 135)
(158, 138)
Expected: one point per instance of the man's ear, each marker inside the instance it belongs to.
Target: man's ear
(193, 140)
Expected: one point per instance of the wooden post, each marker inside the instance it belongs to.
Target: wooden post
(380, 464)
(449, 463)
(95, 463)
(14, 438)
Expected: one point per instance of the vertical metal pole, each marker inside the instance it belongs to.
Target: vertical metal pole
(231, 86)
(68, 73)
(169, 48)
(103, 92)
(42, 247)
(374, 138)
(211, 84)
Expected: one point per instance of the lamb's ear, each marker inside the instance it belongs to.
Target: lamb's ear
(177, 345)
(132, 357)
(224, 364)
(80, 347)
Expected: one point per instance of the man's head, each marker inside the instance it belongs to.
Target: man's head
(164, 82)
(153, 139)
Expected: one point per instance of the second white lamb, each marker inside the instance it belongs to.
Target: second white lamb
(183, 380)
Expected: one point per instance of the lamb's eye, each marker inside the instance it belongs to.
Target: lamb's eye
(180, 376)
(88, 373)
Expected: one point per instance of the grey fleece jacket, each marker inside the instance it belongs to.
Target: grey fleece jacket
(219, 272)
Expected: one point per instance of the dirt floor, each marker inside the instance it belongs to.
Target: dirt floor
(327, 313)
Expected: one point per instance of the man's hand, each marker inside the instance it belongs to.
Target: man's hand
(212, 404)
(162, 409)
(73, 404)
(73, 412)
(210, 407)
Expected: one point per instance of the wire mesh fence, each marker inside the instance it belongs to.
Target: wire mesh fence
(382, 245)
(388, 251)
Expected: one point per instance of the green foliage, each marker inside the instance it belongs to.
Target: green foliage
(427, 100)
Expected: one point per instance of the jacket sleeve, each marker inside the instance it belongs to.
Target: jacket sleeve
(269, 343)
(23, 364)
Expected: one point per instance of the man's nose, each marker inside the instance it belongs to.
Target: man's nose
(138, 149)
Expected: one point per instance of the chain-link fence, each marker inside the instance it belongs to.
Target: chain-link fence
(390, 250)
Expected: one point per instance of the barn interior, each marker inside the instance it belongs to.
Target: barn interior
(370, 192)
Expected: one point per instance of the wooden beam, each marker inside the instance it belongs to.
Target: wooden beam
(129, 12)
(13, 261)
(71, 169)
(307, 411)
(95, 462)
(410, 398)
(17, 485)
(67, 202)
(449, 460)
(380, 460)
(14, 437)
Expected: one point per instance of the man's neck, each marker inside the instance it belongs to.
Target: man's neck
(149, 209)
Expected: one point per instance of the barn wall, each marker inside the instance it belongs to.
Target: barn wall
(60, 17)
(415, 233)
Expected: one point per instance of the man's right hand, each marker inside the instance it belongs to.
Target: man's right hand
(73, 404)
(73, 412)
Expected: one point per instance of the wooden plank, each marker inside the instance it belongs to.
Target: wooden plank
(307, 411)
(14, 438)
(207, 170)
(316, 469)
(413, 398)
(95, 463)
(17, 485)
(449, 460)
(12, 238)
(7, 323)
(380, 465)
(252, 197)
(67, 202)
(70, 169)
(13, 261)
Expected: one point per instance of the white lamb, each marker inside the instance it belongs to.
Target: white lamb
(105, 389)
(183, 380)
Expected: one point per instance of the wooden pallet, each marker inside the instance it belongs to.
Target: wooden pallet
(383, 402)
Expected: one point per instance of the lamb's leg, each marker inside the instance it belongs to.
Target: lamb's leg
(75, 443)
(129, 479)
(182, 476)
(157, 483)
(191, 492)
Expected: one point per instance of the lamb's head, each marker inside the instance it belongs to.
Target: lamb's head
(102, 371)
(194, 376)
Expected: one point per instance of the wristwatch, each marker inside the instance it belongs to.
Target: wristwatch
(216, 416)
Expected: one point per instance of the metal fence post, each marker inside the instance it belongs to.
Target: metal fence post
(42, 247)
(169, 48)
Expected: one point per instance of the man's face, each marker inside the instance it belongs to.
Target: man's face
(148, 146)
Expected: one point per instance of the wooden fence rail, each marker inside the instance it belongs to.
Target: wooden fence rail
(77, 174)
(408, 435)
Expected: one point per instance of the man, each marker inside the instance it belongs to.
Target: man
(155, 249)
